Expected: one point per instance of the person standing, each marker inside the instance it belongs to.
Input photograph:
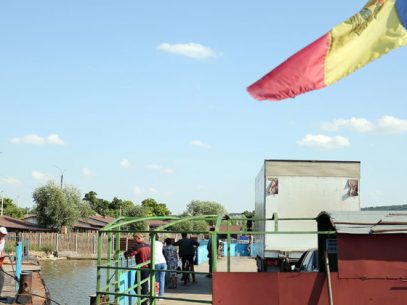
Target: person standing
(160, 265)
(3, 233)
(142, 253)
(187, 248)
(209, 247)
(170, 253)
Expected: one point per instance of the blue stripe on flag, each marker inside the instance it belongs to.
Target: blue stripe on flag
(401, 6)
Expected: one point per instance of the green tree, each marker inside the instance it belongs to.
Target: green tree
(91, 198)
(103, 207)
(85, 210)
(56, 207)
(11, 209)
(118, 207)
(198, 207)
(154, 208)
(137, 212)
(98, 205)
(249, 222)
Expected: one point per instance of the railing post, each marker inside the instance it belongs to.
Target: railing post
(214, 253)
(108, 262)
(275, 217)
(117, 264)
(138, 275)
(228, 243)
(98, 271)
(152, 269)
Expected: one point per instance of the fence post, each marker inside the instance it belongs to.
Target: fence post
(40, 241)
(127, 243)
(94, 245)
(57, 240)
(76, 243)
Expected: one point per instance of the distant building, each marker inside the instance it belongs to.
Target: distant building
(91, 224)
(19, 225)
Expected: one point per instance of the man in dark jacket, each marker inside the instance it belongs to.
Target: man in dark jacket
(142, 253)
(187, 248)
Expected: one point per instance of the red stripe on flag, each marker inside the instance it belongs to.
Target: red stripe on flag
(302, 72)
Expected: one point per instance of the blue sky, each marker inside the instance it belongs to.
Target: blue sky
(140, 99)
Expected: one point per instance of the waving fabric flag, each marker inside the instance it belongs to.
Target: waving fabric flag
(378, 28)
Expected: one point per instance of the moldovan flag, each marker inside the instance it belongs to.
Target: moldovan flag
(378, 28)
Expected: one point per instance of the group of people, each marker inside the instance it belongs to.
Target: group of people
(166, 258)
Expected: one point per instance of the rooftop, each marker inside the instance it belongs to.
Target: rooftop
(367, 222)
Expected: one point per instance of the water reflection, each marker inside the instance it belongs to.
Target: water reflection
(70, 282)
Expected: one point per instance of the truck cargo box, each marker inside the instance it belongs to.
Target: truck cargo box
(301, 189)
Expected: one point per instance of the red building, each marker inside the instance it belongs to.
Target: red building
(368, 264)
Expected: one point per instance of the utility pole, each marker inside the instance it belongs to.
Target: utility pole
(62, 171)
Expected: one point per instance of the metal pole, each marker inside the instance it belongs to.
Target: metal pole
(152, 269)
(98, 270)
(117, 259)
(228, 244)
(328, 277)
(214, 253)
(275, 217)
(108, 262)
(62, 171)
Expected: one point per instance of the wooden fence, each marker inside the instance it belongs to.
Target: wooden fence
(80, 243)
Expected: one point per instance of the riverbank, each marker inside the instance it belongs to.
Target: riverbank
(41, 256)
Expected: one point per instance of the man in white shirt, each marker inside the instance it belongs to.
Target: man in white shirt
(160, 264)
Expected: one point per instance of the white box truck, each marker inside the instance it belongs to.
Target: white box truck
(299, 189)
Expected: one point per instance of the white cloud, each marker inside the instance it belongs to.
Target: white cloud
(154, 167)
(137, 190)
(55, 139)
(386, 124)
(152, 190)
(355, 124)
(124, 163)
(200, 144)
(159, 168)
(323, 141)
(28, 139)
(10, 181)
(193, 50)
(34, 139)
(39, 176)
(168, 170)
(390, 124)
(87, 172)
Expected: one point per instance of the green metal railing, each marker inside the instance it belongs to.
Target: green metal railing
(116, 228)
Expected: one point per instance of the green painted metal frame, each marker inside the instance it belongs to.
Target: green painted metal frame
(115, 227)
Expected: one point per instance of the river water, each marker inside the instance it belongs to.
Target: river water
(70, 282)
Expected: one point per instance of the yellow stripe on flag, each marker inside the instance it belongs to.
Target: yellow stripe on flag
(372, 32)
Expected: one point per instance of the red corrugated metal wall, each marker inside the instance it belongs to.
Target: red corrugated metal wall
(238, 288)
(372, 256)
